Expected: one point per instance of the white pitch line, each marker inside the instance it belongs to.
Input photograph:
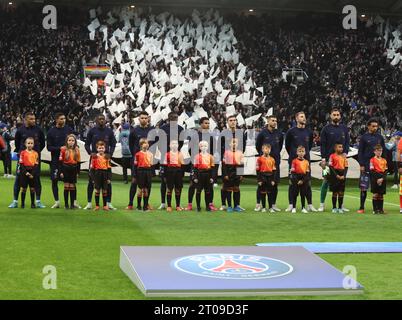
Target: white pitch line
(353, 197)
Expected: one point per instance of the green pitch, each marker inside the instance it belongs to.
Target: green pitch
(84, 246)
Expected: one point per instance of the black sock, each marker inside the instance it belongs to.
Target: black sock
(303, 200)
(97, 199)
(263, 200)
(133, 189)
(163, 192)
(16, 187)
(381, 204)
(259, 195)
(207, 197)
(291, 195)
(146, 199)
(55, 190)
(66, 198)
(294, 192)
(38, 189)
(375, 208)
(105, 198)
(177, 197)
(72, 198)
(309, 195)
(191, 191)
(198, 199)
(236, 198)
(211, 194)
(294, 202)
(229, 198)
(75, 194)
(23, 195)
(169, 198)
(32, 198)
(224, 197)
(340, 202)
(274, 194)
(139, 199)
(109, 193)
(270, 199)
(334, 202)
(90, 191)
(363, 196)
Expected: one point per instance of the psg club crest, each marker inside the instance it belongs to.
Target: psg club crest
(232, 266)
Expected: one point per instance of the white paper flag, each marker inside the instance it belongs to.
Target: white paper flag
(200, 112)
(230, 110)
(240, 119)
(190, 123)
(141, 95)
(155, 118)
(94, 87)
(165, 113)
(270, 112)
(183, 117)
(87, 83)
(149, 110)
(212, 124)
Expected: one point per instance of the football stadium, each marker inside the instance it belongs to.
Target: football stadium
(201, 150)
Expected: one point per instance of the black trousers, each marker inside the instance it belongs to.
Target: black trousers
(6, 158)
(126, 164)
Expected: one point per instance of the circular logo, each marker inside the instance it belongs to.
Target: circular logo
(232, 266)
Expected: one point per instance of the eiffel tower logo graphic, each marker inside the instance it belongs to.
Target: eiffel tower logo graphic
(229, 264)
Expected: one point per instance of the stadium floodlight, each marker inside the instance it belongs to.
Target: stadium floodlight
(251, 10)
(10, 3)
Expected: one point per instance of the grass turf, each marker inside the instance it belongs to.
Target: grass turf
(84, 246)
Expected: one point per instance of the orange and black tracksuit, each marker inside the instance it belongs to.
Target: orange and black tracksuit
(100, 164)
(143, 162)
(69, 161)
(266, 172)
(338, 166)
(204, 172)
(29, 170)
(378, 170)
(173, 164)
(300, 169)
(232, 162)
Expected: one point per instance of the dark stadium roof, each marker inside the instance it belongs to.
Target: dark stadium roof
(385, 7)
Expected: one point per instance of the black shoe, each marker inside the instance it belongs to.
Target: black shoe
(72, 207)
(208, 209)
(33, 206)
(198, 209)
(125, 182)
(23, 206)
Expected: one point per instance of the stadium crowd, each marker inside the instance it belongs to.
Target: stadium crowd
(41, 77)
(41, 70)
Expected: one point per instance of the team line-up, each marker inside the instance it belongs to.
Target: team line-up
(100, 144)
